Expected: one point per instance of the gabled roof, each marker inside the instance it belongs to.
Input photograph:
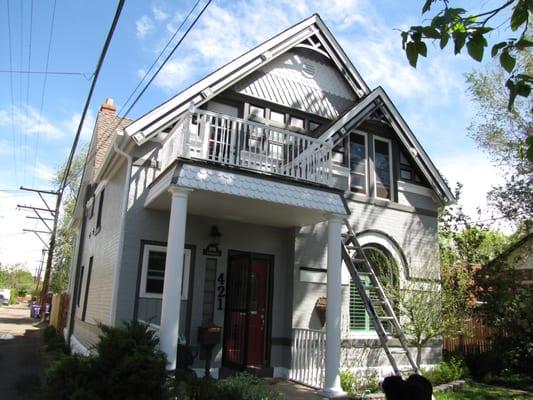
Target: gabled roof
(311, 32)
(378, 100)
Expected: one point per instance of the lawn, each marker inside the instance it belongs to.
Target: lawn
(476, 391)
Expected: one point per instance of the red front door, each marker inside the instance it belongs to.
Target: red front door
(245, 336)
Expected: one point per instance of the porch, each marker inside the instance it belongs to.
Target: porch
(256, 216)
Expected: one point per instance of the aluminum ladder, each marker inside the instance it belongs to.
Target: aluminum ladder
(358, 265)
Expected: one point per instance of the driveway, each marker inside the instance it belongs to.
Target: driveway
(20, 354)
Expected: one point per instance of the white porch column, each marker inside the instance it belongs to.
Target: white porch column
(332, 382)
(170, 309)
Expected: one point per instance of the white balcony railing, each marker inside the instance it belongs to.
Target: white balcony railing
(308, 353)
(249, 145)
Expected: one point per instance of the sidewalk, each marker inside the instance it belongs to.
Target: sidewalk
(20, 354)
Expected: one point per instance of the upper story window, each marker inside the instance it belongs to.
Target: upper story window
(383, 168)
(100, 208)
(408, 172)
(358, 156)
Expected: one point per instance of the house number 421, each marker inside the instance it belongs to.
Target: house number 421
(221, 291)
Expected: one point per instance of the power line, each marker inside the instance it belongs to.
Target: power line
(28, 80)
(51, 246)
(86, 75)
(11, 88)
(160, 55)
(166, 60)
(43, 91)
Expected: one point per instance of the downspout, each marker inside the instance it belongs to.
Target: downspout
(77, 288)
(118, 269)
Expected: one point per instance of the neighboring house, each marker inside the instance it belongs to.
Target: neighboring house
(520, 257)
(225, 204)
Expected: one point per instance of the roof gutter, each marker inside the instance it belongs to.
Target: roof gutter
(118, 267)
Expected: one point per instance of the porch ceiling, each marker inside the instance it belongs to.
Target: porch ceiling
(230, 195)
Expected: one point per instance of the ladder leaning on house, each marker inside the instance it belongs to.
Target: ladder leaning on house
(358, 265)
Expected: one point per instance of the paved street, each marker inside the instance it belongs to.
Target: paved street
(20, 354)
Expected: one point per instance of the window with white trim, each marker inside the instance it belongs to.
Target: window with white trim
(382, 168)
(153, 271)
(358, 163)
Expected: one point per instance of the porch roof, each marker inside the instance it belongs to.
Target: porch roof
(229, 194)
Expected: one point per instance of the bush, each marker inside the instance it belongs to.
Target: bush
(481, 364)
(127, 366)
(447, 371)
(54, 342)
(354, 384)
(242, 386)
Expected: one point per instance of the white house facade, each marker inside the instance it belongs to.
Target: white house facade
(224, 207)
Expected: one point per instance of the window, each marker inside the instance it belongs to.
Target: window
(383, 170)
(100, 206)
(80, 285)
(358, 163)
(387, 272)
(84, 312)
(296, 122)
(153, 272)
(256, 112)
(277, 117)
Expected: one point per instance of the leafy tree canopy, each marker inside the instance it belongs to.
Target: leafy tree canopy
(465, 29)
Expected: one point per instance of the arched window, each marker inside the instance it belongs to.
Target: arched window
(387, 272)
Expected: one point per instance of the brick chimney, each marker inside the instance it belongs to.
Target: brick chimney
(108, 106)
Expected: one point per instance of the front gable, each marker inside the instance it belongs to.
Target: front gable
(310, 34)
(301, 79)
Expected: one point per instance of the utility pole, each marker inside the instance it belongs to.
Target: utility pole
(39, 270)
(49, 230)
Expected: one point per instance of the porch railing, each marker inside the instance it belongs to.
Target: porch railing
(249, 145)
(308, 353)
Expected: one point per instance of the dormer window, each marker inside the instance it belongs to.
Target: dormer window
(383, 168)
(358, 167)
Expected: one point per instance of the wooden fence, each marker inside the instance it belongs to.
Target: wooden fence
(480, 339)
(59, 311)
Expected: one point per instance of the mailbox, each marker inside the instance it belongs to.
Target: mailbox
(209, 335)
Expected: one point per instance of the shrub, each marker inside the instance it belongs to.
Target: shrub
(242, 386)
(127, 366)
(447, 371)
(54, 342)
(482, 364)
(354, 384)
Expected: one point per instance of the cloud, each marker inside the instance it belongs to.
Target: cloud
(159, 14)
(478, 175)
(26, 119)
(144, 26)
(42, 171)
(17, 247)
(71, 125)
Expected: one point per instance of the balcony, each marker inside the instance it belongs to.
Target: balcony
(247, 145)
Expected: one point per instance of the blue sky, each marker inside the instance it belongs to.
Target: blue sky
(34, 141)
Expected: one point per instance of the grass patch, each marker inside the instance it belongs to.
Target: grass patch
(476, 391)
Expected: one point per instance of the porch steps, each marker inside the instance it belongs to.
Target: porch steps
(379, 308)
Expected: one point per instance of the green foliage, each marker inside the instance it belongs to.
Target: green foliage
(447, 371)
(354, 384)
(464, 28)
(19, 280)
(475, 391)
(127, 366)
(54, 342)
(66, 232)
(242, 386)
(505, 135)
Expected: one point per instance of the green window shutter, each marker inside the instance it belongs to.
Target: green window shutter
(359, 319)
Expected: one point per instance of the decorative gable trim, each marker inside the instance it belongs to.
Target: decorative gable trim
(378, 100)
(312, 28)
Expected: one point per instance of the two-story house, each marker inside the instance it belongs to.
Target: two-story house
(225, 205)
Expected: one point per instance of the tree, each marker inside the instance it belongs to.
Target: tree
(502, 133)
(66, 233)
(466, 29)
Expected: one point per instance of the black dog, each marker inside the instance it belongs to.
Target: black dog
(415, 388)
